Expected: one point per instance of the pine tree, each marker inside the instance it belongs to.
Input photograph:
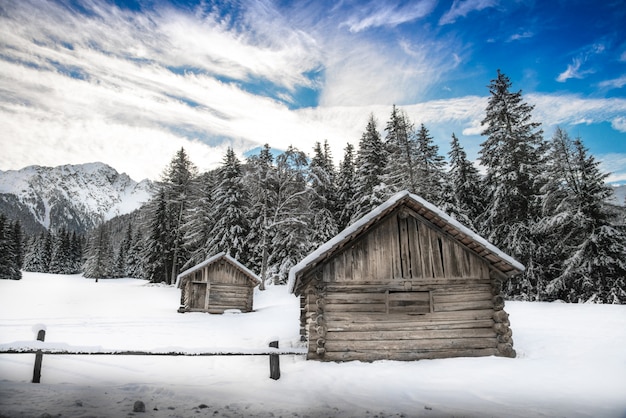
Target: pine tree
(165, 253)
(289, 228)
(157, 247)
(512, 156)
(9, 267)
(585, 255)
(401, 151)
(99, 263)
(76, 253)
(134, 260)
(61, 259)
(198, 219)
(177, 181)
(346, 188)
(262, 187)
(121, 259)
(323, 195)
(428, 169)
(229, 211)
(370, 166)
(464, 201)
(17, 236)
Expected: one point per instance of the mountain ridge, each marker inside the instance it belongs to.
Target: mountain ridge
(76, 197)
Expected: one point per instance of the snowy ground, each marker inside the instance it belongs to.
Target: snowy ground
(571, 361)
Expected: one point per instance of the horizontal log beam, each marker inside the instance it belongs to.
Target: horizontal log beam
(407, 355)
(412, 326)
(420, 335)
(421, 344)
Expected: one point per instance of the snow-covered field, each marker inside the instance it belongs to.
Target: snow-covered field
(571, 361)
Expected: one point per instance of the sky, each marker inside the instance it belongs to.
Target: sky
(130, 82)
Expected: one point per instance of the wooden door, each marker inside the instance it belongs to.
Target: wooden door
(198, 295)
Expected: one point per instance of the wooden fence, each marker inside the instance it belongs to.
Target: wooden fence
(273, 351)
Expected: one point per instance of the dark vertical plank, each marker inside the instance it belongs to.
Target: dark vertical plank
(274, 363)
(404, 247)
(41, 335)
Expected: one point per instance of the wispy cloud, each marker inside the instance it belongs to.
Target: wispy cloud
(379, 13)
(461, 8)
(574, 70)
(521, 35)
(616, 83)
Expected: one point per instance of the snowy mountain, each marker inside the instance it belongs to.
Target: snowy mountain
(75, 197)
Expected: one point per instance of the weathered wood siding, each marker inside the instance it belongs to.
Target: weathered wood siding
(217, 287)
(404, 290)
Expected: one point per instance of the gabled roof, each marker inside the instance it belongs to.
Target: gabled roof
(498, 259)
(215, 259)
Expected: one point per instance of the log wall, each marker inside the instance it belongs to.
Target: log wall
(404, 290)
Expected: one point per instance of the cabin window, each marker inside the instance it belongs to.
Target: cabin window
(410, 303)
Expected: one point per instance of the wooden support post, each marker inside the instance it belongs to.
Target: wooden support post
(41, 335)
(274, 363)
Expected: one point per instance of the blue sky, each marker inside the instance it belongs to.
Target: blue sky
(130, 82)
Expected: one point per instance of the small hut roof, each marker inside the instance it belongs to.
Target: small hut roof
(470, 239)
(214, 259)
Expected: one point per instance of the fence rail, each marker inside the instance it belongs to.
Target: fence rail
(273, 351)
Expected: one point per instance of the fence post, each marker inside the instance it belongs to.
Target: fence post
(274, 363)
(41, 335)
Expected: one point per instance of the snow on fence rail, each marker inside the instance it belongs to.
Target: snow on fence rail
(39, 348)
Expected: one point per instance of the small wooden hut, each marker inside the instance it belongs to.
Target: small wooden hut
(217, 284)
(405, 282)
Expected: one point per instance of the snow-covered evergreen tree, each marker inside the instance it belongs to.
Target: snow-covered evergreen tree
(346, 188)
(323, 195)
(38, 253)
(134, 259)
(9, 267)
(62, 261)
(99, 263)
(165, 253)
(289, 226)
(429, 167)
(120, 268)
(198, 219)
(157, 247)
(177, 182)
(401, 149)
(229, 211)
(464, 198)
(584, 253)
(513, 157)
(261, 183)
(371, 161)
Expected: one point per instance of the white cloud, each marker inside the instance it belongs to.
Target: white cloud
(616, 83)
(377, 13)
(572, 71)
(521, 35)
(461, 8)
(619, 124)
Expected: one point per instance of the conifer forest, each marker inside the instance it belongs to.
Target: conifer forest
(539, 197)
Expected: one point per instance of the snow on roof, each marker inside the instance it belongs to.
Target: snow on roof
(394, 201)
(212, 260)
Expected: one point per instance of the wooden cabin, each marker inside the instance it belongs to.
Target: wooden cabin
(218, 284)
(405, 282)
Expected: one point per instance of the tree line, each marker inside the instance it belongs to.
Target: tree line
(542, 201)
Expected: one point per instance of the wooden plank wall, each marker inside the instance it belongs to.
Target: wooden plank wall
(403, 291)
(228, 288)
